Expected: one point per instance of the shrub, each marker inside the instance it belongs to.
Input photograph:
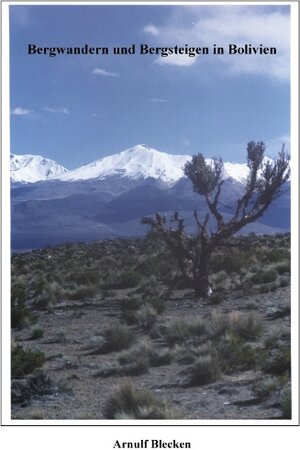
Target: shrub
(43, 302)
(159, 266)
(18, 292)
(35, 386)
(83, 292)
(270, 287)
(284, 281)
(117, 337)
(144, 356)
(205, 370)
(278, 360)
(217, 325)
(129, 403)
(84, 277)
(157, 302)
(231, 262)
(20, 316)
(247, 326)
(40, 384)
(176, 332)
(107, 371)
(197, 327)
(20, 313)
(38, 283)
(268, 386)
(264, 277)
(149, 287)
(49, 294)
(180, 331)
(55, 290)
(135, 361)
(129, 306)
(188, 353)
(269, 276)
(37, 333)
(286, 403)
(234, 354)
(216, 298)
(161, 357)
(122, 280)
(146, 317)
(129, 316)
(283, 268)
(131, 303)
(24, 362)
(219, 277)
(276, 254)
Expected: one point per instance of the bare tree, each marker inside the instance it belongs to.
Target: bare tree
(193, 251)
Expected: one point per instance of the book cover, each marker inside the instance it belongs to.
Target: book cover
(153, 157)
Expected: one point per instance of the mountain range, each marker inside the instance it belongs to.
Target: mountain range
(33, 168)
(138, 162)
(108, 197)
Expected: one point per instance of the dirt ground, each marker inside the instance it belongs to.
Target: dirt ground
(81, 393)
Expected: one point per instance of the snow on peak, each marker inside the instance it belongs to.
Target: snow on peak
(33, 168)
(143, 161)
(238, 172)
(138, 162)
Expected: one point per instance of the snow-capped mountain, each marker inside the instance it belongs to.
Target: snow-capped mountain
(238, 172)
(33, 168)
(142, 161)
(138, 162)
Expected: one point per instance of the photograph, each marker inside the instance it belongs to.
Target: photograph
(153, 154)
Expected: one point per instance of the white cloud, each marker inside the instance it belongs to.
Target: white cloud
(204, 26)
(151, 29)
(21, 111)
(56, 110)
(158, 100)
(176, 60)
(104, 73)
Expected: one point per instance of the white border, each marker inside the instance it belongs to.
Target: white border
(295, 207)
(6, 242)
(5, 213)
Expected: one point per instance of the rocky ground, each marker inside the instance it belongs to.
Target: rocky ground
(82, 380)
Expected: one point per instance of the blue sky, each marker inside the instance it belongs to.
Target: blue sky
(76, 109)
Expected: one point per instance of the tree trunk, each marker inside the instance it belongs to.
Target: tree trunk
(201, 286)
(200, 276)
